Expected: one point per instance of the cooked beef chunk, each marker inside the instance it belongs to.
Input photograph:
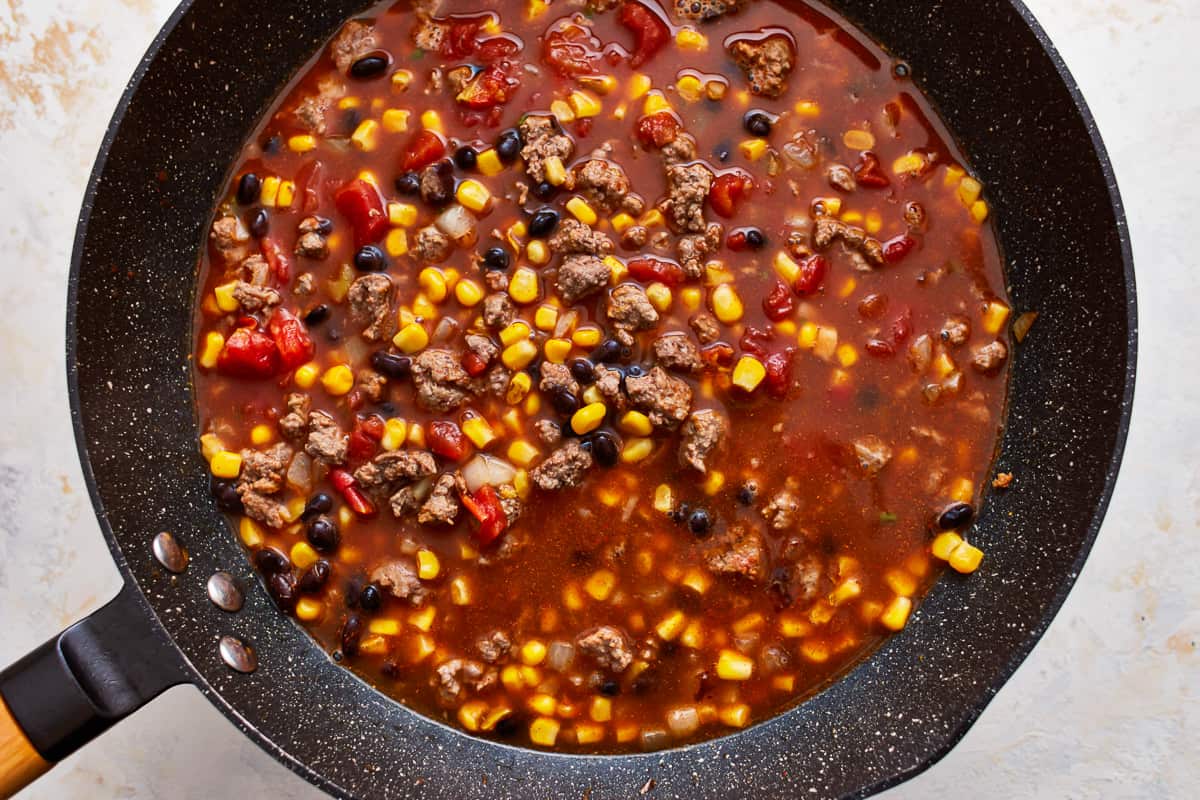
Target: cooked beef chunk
(255, 269)
(990, 357)
(608, 647)
(635, 237)
(310, 114)
(781, 513)
(692, 250)
(701, 436)
(429, 33)
(387, 472)
(738, 551)
(494, 646)
(827, 230)
(563, 468)
(498, 311)
(706, 327)
(606, 187)
(687, 189)
(255, 298)
(294, 424)
(956, 330)
(581, 276)
(482, 346)
(311, 243)
(456, 673)
(370, 301)
(400, 578)
(267, 510)
(680, 149)
(802, 577)
(630, 310)
(437, 183)
(557, 378)
(510, 503)
(608, 382)
(665, 399)
(548, 431)
(443, 504)
(371, 384)
(431, 245)
(355, 40)
(497, 379)
(677, 352)
(306, 284)
(706, 10)
(441, 382)
(767, 63)
(404, 502)
(841, 177)
(326, 441)
(573, 236)
(542, 140)
(263, 474)
(872, 453)
(230, 239)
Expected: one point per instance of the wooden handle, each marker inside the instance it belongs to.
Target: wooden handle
(20, 764)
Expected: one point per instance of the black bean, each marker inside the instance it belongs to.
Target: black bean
(323, 535)
(510, 726)
(260, 223)
(225, 493)
(391, 365)
(324, 225)
(409, 183)
(956, 515)
(273, 145)
(748, 493)
(439, 190)
(320, 503)
(699, 522)
(315, 577)
(564, 402)
(465, 157)
(270, 561)
(722, 152)
(608, 352)
(369, 66)
(610, 688)
(317, 315)
(508, 146)
(757, 123)
(545, 191)
(756, 239)
(370, 258)
(389, 669)
(634, 371)
(352, 631)
(901, 70)
(583, 371)
(543, 222)
(282, 587)
(605, 449)
(370, 598)
(496, 258)
(248, 188)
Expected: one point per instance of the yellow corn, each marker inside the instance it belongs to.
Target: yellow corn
(302, 143)
(995, 314)
(474, 195)
(582, 211)
(562, 111)
(533, 652)
(736, 715)
(303, 555)
(697, 580)
(857, 139)
(411, 338)
(690, 88)
(659, 295)
(261, 434)
(214, 343)
(270, 191)
(433, 282)
(395, 120)
(621, 221)
(807, 108)
(402, 214)
(670, 626)
(395, 431)
(689, 39)
(544, 730)
(366, 136)
(515, 332)
(733, 666)
(338, 380)
(309, 610)
(966, 558)
(588, 418)
(460, 591)
(556, 173)
(639, 84)
(713, 481)
(600, 584)
(636, 450)
(664, 498)
(635, 423)
(895, 614)
(545, 318)
(846, 354)
(969, 190)
(557, 350)
(601, 709)
(432, 120)
(523, 287)
(584, 104)
(962, 490)
(537, 253)
(748, 373)
(587, 336)
(384, 626)
(479, 432)
(620, 111)
(654, 103)
(223, 294)
(522, 453)
(401, 79)
(306, 375)
(210, 445)
(468, 293)
(726, 304)
(396, 242)
(287, 192)
(519, 355)
(423, 619)
(979, 211)
(518, 388)
(753, 149)
(250, 532)
(488, 162)
(944, 545)
(604, 84)
(226, 464)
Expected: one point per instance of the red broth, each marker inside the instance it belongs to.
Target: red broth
(594, 406)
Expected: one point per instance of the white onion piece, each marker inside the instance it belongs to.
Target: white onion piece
(566, 322)
(683, 721)
(299, 474)
(485, 470)
(457, 223)
(357, 349)
(559, 656)
(445, 330)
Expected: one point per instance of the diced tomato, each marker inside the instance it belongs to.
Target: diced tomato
(717, 355)
(812, 273)
(344, 482)
(779, 303)
(727, 191)
(372, 426)
(460, 40)
(570, 49)
(249, 354)
(658, 129)
(868, 172)
(424, 148)
(474, 364)
(736, 241)
(484, 505)
(649, 31)
(491, 87)
(755, 341)
(308, 186)
(361, 447)
(277, 260)
(647, 269)
(895, 249)
(480, 119)
(291, 338)
(497, 48)
(779, 372)
(583, 127)
(447, 440)
(360, 203)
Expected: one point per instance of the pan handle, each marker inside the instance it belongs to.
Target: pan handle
(75, 686)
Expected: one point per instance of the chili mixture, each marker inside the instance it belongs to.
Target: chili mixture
(601, 375)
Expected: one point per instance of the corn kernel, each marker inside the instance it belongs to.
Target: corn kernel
(470, 714)
(479, 432)
(690, 88)
(224, 297)
(562, 111)
(664, 498)
(306, 375)
(557, 350)
(519, 355)
(807, 108)
(944, 545)
(847, 590)
(726, 304)
(270, 191)
(338, 380)
(556, 173)
(600, 584)
(423, 619)
(523, 287)
(846, 354)
(226, 464)
(395, 431)
(736, 715)
(384, 626)
(635, 423)
(962, 490)
(522, 453)
(488, 162)
(543, 730)
(474, 195)
(518, 388)
(995, 314)
(652, 218)
(366, 136)
(396, 242)
(857, 139)
(514, 332)
(582, 211)
(621, 221)
(210, 445)
(895, 614)
(689, 39)
(748, 373)
(586, 336)
(303, 555)
(969, 191)
(214, 343)
(954, 175)
(261, 434)
(670, 626)
(537, 253)
(627, 732)
(601, 709)
(639, 84)
(714, 480)
(533, 652)
(433, 283)
(588, 418)
(620, 111)
(411, 338)
(753, 149)
(468, 293)
(401, 79)
(309, 610)
(910, 163)
(966, 558)
(733, 666)
(636, 450)
(979, 211)
(403, 215)
(250, 532)
(432, 120)
(395, 120)
(287, 193)
(654, 103)
(584, 104)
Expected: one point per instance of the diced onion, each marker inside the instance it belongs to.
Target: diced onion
(357, 349)
(445, 330)
(299, 473)
(654, 739)
(683, 721)
(566, 323)
(559, 656)
(920, 353)
(485, 470)
(458, 223)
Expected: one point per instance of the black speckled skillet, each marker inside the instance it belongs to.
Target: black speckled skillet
(199, 92)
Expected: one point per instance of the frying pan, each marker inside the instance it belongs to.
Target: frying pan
(199, 92)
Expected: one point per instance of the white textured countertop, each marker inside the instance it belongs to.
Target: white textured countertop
(1106, 707)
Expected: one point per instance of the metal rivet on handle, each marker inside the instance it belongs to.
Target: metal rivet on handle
(169, 553)
(224, 592)
(238, 655)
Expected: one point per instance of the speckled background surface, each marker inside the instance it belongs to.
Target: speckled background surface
(1104, 708)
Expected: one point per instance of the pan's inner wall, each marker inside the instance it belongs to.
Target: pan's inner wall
(132, 294)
